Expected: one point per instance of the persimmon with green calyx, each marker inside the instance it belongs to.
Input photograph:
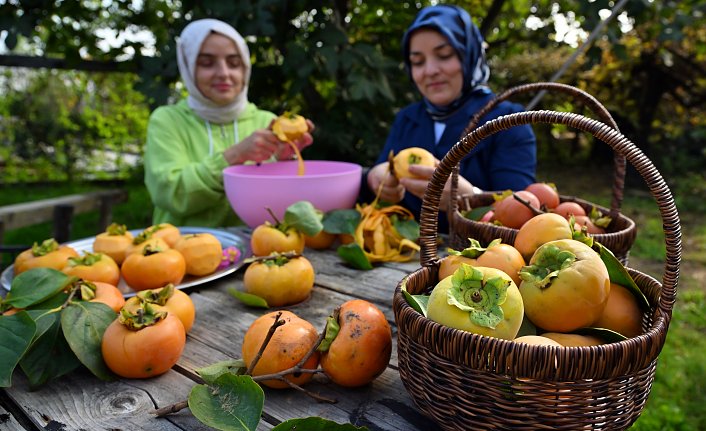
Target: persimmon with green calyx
(169, 299)
(280, 279)
(358, 344)
(115, 242)
(289, 344)
(48, 254)
(93, 267)
(496, 255)
(202, 252)
(539, 230)
(143, 344)
(565, 286)
(153, 268)
(478, 299)
(411, 156)
(515, 209)
(300, 218)
(98, 291)
(166, 231)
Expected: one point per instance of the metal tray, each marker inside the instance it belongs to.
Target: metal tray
(227, 239)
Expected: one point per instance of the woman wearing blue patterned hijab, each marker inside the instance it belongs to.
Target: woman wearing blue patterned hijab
(456, 26)
(444, 56)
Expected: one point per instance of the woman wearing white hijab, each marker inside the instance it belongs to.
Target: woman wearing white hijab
(190, 143)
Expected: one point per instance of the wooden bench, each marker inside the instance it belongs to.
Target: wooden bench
(61, 210)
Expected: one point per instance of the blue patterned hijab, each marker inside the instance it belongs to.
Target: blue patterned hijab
(455, 24)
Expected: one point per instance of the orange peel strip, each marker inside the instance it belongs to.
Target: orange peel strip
(300, 161)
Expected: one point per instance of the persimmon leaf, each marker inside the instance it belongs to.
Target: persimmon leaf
(303, 217)
(16, 333)
(231, 403)
(341, 221)
(354, 256)
(36, 285)
(315, 424)
(211, 372)
(83, 324)
(248, 298)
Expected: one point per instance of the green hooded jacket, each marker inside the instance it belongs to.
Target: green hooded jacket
(184, 177)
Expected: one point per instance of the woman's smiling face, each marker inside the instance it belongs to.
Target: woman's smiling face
(436, 68)
(219, 69)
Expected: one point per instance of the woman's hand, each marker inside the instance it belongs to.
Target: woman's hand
(378, 176)
(286, 152)
(257, 147)
(417, 186)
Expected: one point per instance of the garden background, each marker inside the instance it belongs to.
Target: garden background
(78, 80)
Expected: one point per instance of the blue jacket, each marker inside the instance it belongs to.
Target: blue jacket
(504, 160)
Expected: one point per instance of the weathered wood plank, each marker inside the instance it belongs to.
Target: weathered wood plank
(80, 401)
(39, 211)
(8, 421)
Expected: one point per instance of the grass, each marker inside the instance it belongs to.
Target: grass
(679, 389)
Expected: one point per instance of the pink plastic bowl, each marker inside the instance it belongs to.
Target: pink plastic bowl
(252, 188)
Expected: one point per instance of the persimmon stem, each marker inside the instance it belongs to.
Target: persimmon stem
(535, 210)
(274, 217)
(276, 324)
(171, 409)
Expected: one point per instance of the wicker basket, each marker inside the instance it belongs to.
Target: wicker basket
(465, 381)
(620, 234)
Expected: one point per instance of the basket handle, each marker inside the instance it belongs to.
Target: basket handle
(428, 223)
(587, 99)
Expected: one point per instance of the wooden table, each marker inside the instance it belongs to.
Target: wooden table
(80, 401)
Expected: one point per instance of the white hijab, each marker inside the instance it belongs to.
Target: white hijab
(188, 47)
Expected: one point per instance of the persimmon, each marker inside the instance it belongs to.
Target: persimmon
(143, 344)
(202, 252)
(568, 208)
(169, 299)
(48, 254)
(288, 345)
(320, 241)
(280, 280)
(503, 257)
(573, 340)
(361, 347)
(449, 264)
(153, 268)
(268, 238)
(537, 340)
(166, 231)
(512, 213)
(411, 156)
(486, 302)
(538, 230)
(115, 242)
(140, 243)
(93, 267)
(546, 193)
(106, 293)
(289, 127)
(585, 221)
(622, 313)
(565, 286)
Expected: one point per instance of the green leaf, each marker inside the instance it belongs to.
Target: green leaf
(481, 298)
(419, 302)
(248, 298)
(303, 217)
(477, 213)
(212, 372)
(16, 333)
(407, 228)
(607, 335)
(332, 329)
(619, 275)
(354, 256)
(232, 403)
(315, 424)
(83, 324)
(341, 221)
(36, 285)
(49, 356)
